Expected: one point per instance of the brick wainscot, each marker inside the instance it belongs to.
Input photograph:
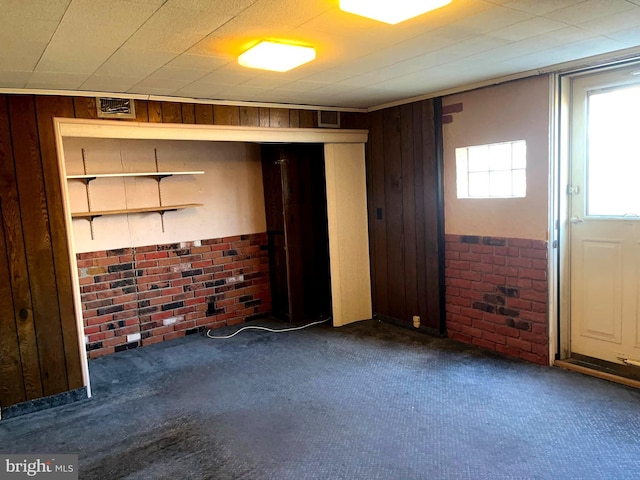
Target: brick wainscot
(143, 295)
(497, 294)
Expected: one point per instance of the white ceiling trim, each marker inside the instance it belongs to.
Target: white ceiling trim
(158, 98)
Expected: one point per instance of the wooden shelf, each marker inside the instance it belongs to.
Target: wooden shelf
(158, 175)
(161, 210)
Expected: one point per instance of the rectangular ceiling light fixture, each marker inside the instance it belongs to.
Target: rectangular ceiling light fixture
(391, 11)
(276, 56)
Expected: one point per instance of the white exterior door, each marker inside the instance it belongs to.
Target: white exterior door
(605, 216)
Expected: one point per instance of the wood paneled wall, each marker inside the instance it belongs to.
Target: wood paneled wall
(39, 352)
(405, 231)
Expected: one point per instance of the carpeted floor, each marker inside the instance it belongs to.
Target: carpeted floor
(366, 401)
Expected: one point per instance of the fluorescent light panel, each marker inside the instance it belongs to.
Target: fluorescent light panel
(391, 11)
(279, 57)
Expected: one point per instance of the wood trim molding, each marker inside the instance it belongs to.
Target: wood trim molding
(92, 128)
(70, 127)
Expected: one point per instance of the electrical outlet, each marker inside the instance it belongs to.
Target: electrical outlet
(416, 321)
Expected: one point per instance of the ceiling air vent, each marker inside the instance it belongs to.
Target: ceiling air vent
(328, 119)
(115, 107)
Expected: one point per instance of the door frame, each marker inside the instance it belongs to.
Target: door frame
(72, 127)
(560, 144)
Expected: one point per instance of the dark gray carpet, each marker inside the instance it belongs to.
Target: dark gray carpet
(366, 401)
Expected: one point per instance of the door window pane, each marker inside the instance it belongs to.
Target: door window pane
(613, 152)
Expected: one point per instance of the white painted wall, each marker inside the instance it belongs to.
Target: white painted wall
(513, 111)
(230, 189)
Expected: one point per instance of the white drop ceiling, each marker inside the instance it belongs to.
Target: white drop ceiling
(189, 48)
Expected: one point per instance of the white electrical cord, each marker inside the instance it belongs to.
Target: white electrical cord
(255, 327)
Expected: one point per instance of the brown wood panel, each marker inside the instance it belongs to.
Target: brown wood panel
(378, 221)
(155, 111)
(85, 107)
(264, 117)
(204, 114)
(421, 267)
(409, 211)
(46, 109)
(294, 118)
(12, 383)
(432, 210)
(188, 113)
(142, 110)
(171, 112)
(403, 183)
(279, 117)
(226, 115)
(38, 243)
(353, 120)
(394, 216)
(249, 116)
(308, 118)
(17, 263)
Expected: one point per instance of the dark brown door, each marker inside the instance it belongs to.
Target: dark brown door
(296, 207)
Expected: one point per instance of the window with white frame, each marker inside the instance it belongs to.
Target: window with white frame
(498, 170)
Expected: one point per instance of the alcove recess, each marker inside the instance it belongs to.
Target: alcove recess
(157, 175)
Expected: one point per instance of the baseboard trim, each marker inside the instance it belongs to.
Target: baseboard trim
(44, 403)
(568, 365)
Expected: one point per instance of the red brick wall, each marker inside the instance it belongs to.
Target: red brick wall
(166, 291)
(496, 294)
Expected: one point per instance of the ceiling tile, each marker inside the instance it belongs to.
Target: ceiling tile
(160, 91)
(84, 58)
(613, 23)
(491, 20)
(132, 63)
(219, 7)
(540, 7)
(201, 90)
(630, 37)
(155, 83)
(565, 53)
(205, 63)
(229, 74)
(23, 58)
(106, 83)
(177, 74)
(528, 28)
(175, 29)
(90, 32)
(238, 35)
(49, 10)
(14, 79)
(14, 31)
(302, 86)
(589, 10)
(244, 90)
(56, 80)
(289, 12)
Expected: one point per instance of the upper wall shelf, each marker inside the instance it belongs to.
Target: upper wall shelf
(157, 175)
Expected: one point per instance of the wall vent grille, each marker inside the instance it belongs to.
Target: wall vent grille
(115, 107)
(328, 119)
